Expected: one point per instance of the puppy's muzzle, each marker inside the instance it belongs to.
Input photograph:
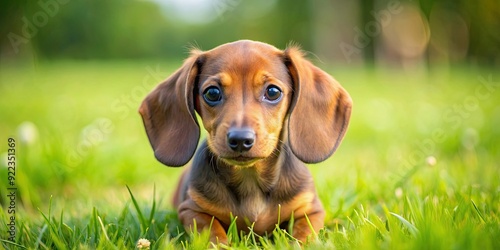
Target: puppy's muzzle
(240, 140)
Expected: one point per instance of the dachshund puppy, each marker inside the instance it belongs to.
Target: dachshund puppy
(266, 112)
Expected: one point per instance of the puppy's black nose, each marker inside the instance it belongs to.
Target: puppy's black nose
(240, 140)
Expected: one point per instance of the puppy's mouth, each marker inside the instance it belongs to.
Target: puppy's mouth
(241, 160)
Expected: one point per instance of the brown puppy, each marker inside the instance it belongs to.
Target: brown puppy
(266, 111)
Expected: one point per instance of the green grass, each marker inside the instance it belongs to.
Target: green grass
(87, 178)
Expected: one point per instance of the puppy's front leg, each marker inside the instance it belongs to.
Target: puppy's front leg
(203, 221)
(301, 228)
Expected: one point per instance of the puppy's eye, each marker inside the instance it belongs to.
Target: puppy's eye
(273, 93)
(212, 95)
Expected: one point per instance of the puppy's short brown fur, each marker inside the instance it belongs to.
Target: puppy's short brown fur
(266, 112)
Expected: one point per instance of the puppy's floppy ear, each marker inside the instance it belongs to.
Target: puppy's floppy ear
(169, 117)
(320, 110)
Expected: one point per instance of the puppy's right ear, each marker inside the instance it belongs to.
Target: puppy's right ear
(169, 117)
(319, 112)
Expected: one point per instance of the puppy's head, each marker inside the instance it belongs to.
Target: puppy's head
(251, 97)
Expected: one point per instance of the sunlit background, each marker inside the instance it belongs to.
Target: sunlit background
(396, 33)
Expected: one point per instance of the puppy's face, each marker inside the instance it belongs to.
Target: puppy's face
(242, 95)
(243, 92)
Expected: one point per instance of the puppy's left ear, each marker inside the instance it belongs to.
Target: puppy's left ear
(169, 117)
(320, 110)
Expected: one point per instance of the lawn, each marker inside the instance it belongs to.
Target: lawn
(418, 169)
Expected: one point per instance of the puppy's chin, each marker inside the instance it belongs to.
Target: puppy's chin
(241, 161)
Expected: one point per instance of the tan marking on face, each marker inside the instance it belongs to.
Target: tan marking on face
(244, 104)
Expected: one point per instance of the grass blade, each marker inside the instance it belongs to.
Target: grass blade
(411, 228)
(12, 243)
(138, 210)
(477, 211)
(153, 207)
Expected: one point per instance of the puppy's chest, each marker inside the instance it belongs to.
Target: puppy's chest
(251, 202)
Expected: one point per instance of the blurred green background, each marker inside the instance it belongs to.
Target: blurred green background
(424, 77)
(366, 30)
